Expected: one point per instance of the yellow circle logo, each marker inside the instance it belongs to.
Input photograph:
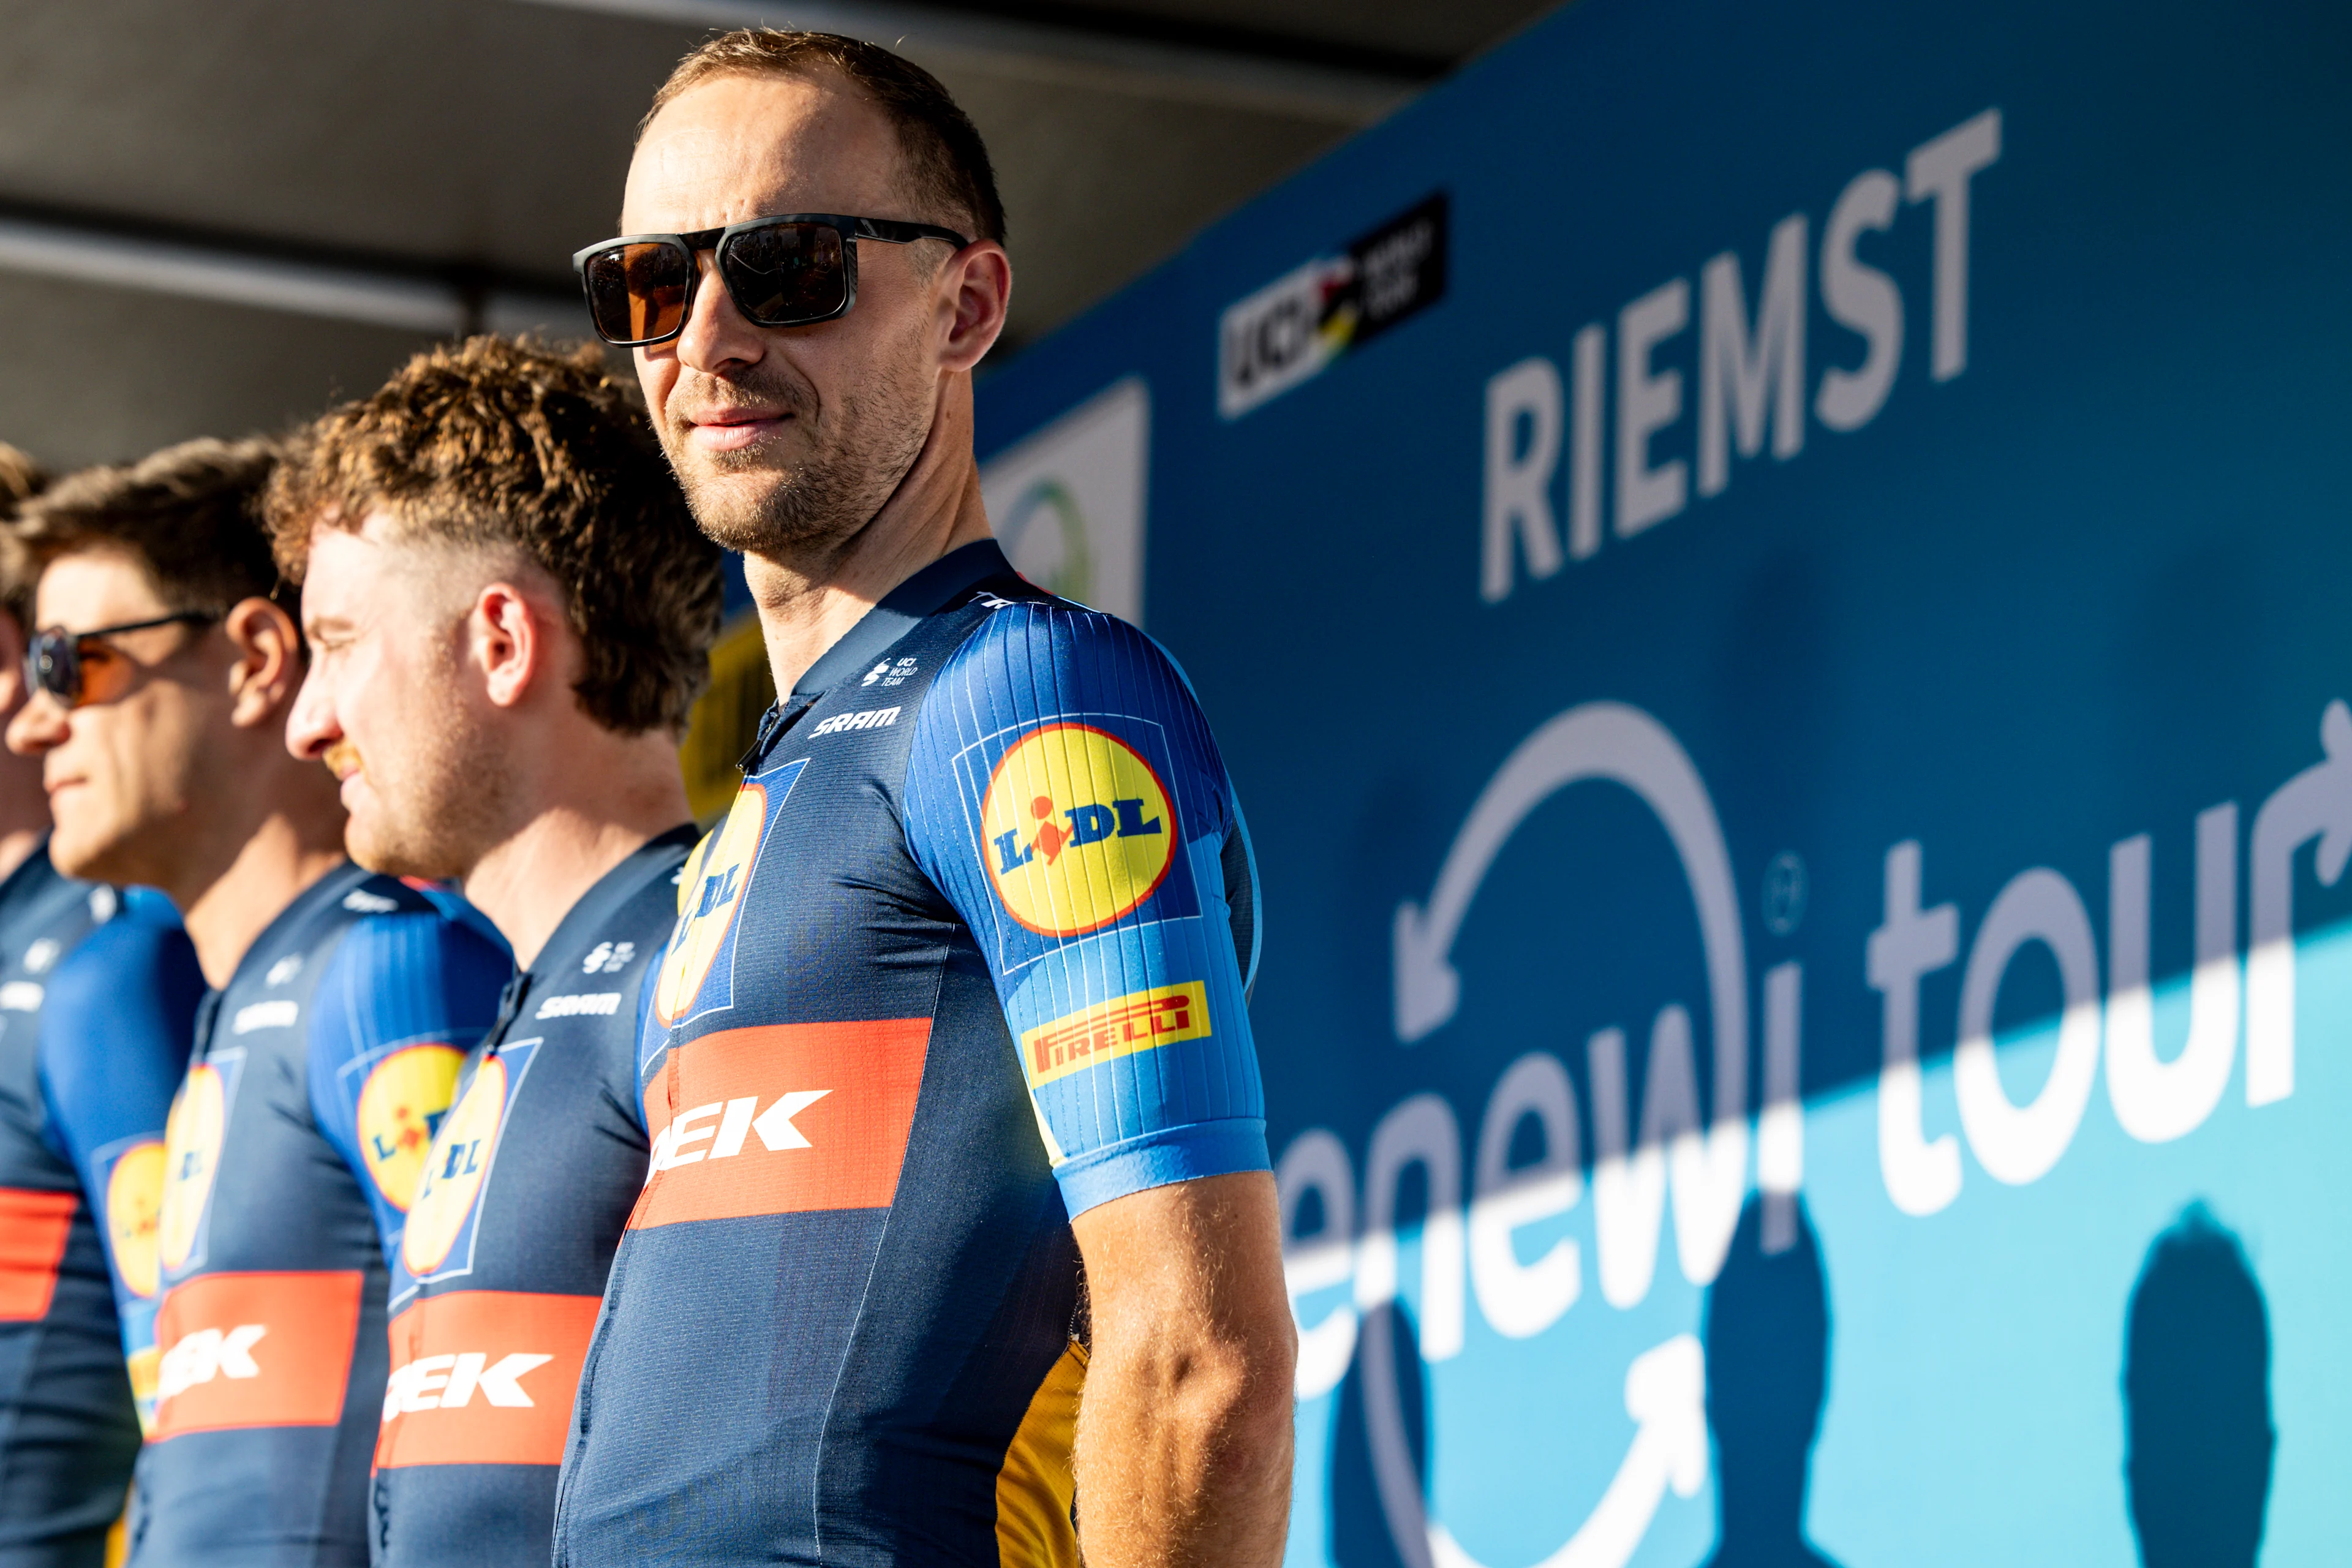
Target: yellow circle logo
(707, 897)
(453, 1176)
(401, 1107)
(192, 1146)
(1079, 829)
(134, 1208)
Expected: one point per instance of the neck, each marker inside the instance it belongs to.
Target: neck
(225, 908)
(24, 810)
(599, 806)
(808, 598)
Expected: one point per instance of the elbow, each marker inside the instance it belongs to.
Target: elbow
(1263, 1408)
(1246, 1398)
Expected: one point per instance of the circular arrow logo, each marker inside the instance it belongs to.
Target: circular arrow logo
(1595, 741)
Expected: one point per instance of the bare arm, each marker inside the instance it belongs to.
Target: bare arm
(1184, 1435)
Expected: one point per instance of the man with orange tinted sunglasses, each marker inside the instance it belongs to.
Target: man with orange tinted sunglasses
(327, 1052)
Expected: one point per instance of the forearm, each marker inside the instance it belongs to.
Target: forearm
(1183, 1459)
(1184, 1432)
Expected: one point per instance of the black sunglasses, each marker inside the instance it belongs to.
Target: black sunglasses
(77, 667)
(788, 271)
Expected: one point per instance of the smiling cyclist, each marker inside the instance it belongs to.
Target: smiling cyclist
(960, 1245)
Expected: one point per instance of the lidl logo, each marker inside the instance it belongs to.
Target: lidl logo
(707, 899)
(1079, 829)
(401, 1107)
(191, 1147)
(1139, 1021)
(453, 1175)
(134, 1210)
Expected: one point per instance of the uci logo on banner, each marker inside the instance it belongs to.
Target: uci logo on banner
(444, 1222)
(1078, 828)
(693, 979)
(1291, 330)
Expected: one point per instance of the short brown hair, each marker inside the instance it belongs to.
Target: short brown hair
(947, 163)
(496, 442)
(21, 479)
(186, 514)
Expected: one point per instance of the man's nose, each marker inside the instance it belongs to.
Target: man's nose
(40, 725)
(716, 336)
(312, 726)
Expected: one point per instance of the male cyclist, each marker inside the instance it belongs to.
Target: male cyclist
(509, 614)
(83, 1095)
(960, 1115)
(340, 1002)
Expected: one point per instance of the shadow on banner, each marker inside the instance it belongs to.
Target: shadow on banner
(2199, 1439)
(1768, 1346)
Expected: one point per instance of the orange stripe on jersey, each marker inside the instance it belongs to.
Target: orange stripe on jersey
(484, 1377)
(786, 1119)
(255, 1350)
(34, 1229)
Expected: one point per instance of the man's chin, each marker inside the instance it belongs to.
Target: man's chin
(96, 854)
(400, 855)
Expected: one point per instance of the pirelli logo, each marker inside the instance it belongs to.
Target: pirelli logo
(1139, 1021)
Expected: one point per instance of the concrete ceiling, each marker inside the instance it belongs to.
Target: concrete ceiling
(214, 217)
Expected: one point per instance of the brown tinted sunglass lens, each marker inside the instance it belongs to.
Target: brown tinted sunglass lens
(785, 273)
(105, 672)
(637, 293)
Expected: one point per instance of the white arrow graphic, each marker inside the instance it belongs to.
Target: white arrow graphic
(1606, 741)
(1665, 1393)
(2315, 804)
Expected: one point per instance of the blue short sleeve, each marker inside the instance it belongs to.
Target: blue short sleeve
(1064, 792)
(116, 1028)
(402, 999)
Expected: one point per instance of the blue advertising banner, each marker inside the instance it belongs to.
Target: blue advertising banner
(1774, 582)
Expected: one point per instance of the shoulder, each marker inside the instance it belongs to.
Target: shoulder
(141, 952)
(1033, 662)
(117, 1023)
(399, 960)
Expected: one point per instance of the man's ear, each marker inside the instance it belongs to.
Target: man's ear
(976, 288)
(12, 662)
(506, 641)
(269, 664)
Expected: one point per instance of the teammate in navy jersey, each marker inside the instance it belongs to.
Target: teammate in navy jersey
(958, 1119)
(97, 992)
(327, 1050)
(511, 505)
(82, 1102)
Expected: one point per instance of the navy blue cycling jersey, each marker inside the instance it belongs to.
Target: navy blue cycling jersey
(965, 959)
(501, 1268)
(319, 1074)
(83, 1094)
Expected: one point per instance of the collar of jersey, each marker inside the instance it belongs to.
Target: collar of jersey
(901, 610)
(331, 889)
(616, 887)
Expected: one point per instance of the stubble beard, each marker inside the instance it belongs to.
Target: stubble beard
(451, 805)
(862, 444)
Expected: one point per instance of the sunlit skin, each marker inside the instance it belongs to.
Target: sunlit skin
(24, 804)
(440, 695)
(1184, 1440)
(179, 783)
(742, 147)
